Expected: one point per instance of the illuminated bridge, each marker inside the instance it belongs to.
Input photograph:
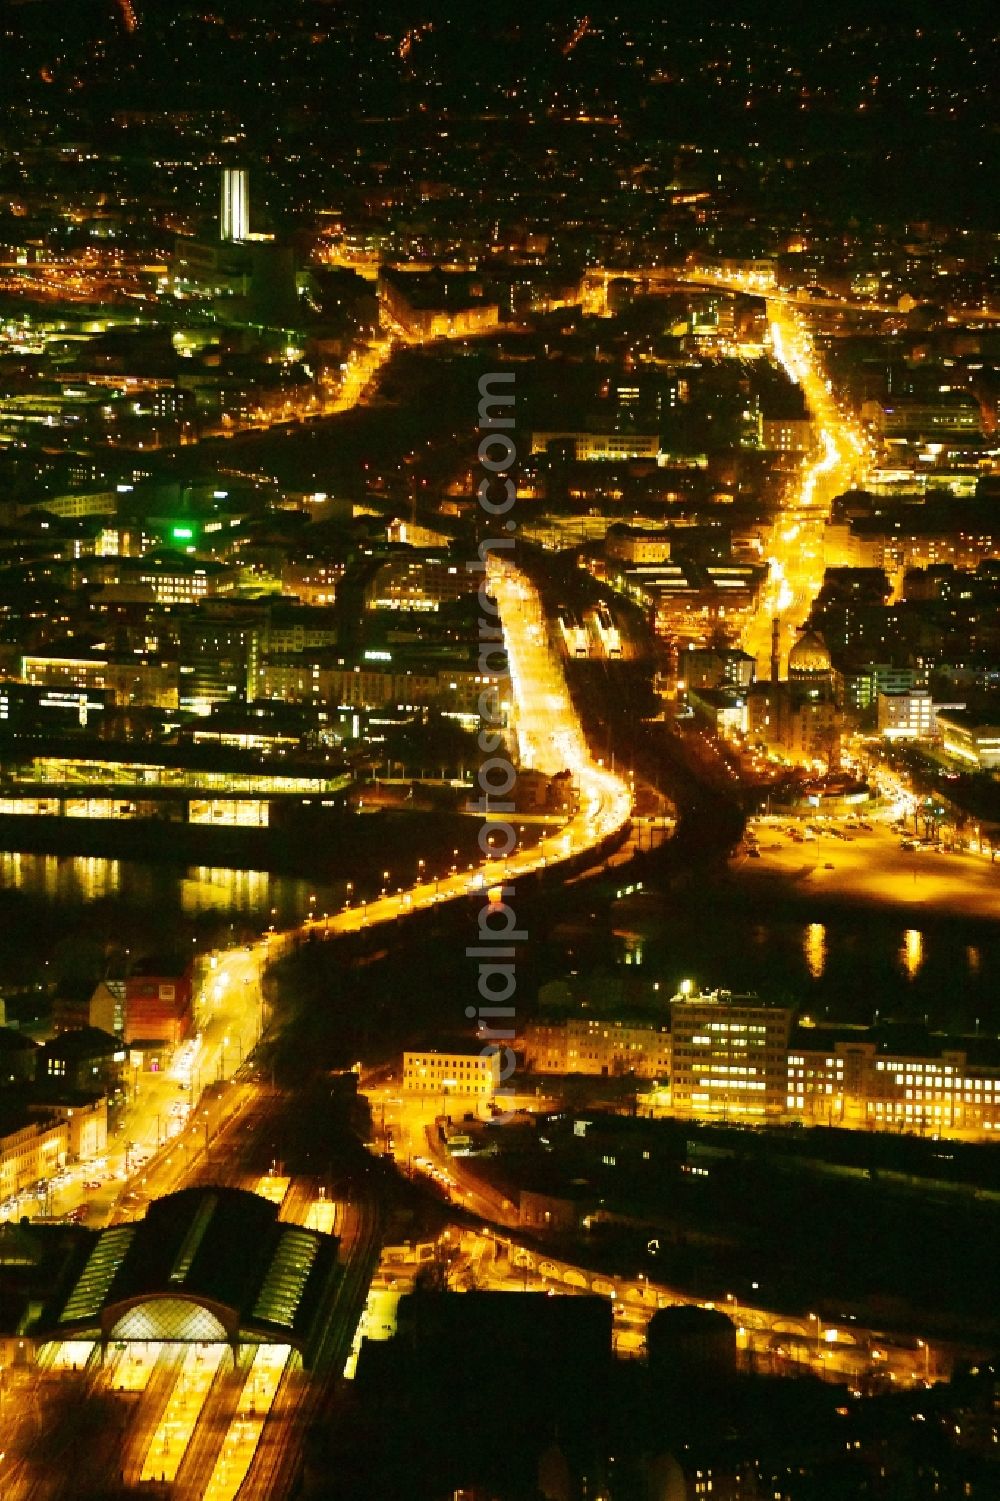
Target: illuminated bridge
(206, 1266)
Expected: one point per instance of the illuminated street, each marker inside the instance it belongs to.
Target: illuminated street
(549, 738)
(795, 558)
(163, 1106)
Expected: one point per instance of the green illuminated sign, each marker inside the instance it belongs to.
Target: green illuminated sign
(182, 533)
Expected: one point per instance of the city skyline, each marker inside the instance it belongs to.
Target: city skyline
(499, 752)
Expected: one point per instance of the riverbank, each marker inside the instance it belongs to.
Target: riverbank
(330, 847)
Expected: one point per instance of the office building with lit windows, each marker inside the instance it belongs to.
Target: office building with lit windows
(464, 1073)
(894, 1079)
(598, 1046)
(728, 1056)
(411, 580)
(969, 741)
(736, 1058)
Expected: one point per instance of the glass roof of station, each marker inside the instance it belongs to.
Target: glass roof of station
(283, 1286)
(92, 1286)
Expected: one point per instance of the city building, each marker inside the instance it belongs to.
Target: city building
(630, 544)
(968, 740)
(595, 1045)
(205, 1266)
(34, 709)
(716, 667)
(899, 536)
(691, 601)
(89, 679)
(726, 711)
(728, 1056)
(313, 580)
(787, 434)
(18, 1057)
(952, 414)
(408, 580)
(204, 783)
(32, 1148)
(468, 1073)
(158, 1002)
(798, 716)
(862, 686)
(106, 1010)
(84, 1058)
(326, 679)
(435, 305)
(254, 275)
(235, 215)
(717, 1055)
(880, 1079)
(40, 1135)
(907, 714)
(594, 446)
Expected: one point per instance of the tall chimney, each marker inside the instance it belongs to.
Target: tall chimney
(775, 648)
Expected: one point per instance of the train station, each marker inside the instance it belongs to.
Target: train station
(206, 1266)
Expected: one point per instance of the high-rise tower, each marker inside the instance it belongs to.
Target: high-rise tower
(235, 218)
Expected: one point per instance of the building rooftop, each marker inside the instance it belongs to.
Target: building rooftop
(83, 1042)
(206, 1264)
(12, 1041)
(809, 655)
(897, 1039)
(693, 997)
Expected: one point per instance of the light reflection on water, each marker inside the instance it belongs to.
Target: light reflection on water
(61, 878)
(849, 966)
(75, 880)
(844, 967)
(912, 952)
(814, 947)
(208, 887)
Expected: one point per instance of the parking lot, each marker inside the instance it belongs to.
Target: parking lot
(873, 862)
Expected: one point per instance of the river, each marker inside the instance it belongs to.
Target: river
(852, 966)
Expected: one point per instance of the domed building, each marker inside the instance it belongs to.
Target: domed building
(809, 660)
(798, 716)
